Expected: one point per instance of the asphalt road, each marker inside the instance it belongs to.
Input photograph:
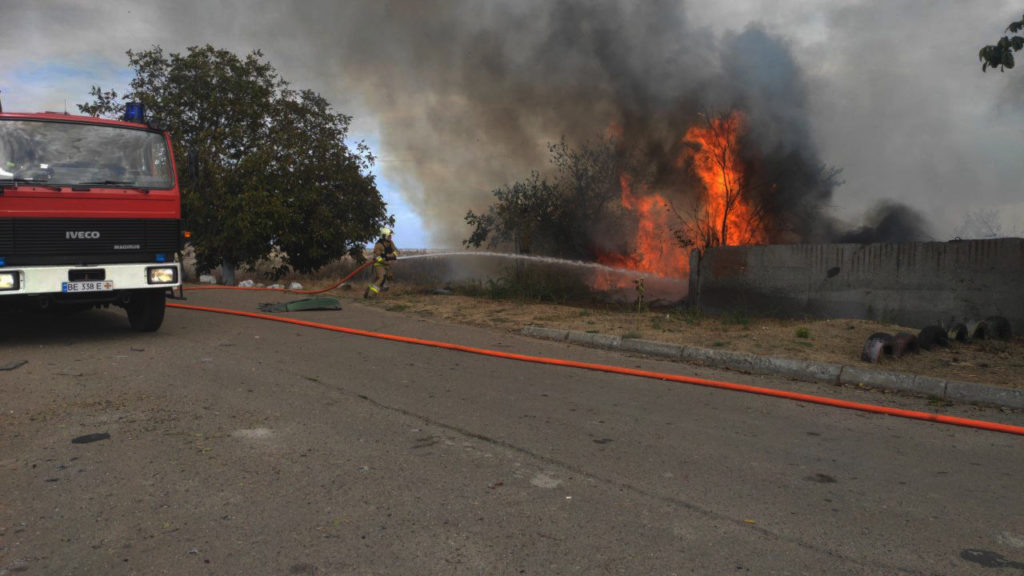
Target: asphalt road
(242, 446)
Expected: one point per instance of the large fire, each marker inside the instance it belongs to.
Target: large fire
(728, 218)
(656, 249)
(723, 215)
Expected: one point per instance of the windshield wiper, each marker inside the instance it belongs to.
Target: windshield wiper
(105, 183)
(16, 182)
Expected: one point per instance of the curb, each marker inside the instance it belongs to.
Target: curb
(953, 390)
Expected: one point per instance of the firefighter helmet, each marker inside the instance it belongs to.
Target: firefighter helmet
(385, 231)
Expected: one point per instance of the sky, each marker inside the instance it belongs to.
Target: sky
(459, 97)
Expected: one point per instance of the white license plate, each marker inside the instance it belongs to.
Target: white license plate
(88, 286)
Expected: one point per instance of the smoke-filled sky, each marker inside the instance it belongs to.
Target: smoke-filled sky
(459, 97)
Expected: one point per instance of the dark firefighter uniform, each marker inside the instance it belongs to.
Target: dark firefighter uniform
(384, 252)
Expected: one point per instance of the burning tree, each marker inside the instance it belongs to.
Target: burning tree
(640, 204)
(656, 246)
(708, 177)
(725, 211)
(609, 204)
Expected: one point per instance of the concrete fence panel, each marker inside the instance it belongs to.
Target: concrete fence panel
(914, 284)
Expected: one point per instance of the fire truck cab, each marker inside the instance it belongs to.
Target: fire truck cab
(90, 214)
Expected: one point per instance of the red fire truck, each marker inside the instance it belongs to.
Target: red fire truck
(90, 215)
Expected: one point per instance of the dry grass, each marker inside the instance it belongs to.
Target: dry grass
(837, 341)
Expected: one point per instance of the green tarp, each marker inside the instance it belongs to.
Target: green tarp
(321, 303)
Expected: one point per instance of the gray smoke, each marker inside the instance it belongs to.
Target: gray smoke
(469, 95)
(473, 93)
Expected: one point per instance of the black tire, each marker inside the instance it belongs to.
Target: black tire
(999, 327)
(146, 310)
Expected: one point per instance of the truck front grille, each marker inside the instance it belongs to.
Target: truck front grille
(73, 240)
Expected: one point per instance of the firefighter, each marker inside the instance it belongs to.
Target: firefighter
(384, 252)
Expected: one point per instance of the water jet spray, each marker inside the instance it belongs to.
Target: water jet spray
(601, 281)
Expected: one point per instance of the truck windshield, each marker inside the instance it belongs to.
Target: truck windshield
(85, 155)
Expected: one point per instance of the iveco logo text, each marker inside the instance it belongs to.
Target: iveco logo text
(82, 234)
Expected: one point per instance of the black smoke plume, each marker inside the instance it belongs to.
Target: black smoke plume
(888, 222)
(469, 94)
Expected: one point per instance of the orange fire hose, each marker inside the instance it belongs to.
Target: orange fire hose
(915, 415)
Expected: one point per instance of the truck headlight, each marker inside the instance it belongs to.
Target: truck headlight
(162, 275)
(10, 280)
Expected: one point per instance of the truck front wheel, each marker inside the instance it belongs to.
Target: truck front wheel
(146, 310)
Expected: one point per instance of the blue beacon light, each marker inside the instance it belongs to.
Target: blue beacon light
(135, 112)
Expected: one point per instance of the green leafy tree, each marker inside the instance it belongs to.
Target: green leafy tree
(261, 166)
(588, 181)
(1000, 54)
(551, 218)
(523, 215)
(329, 205)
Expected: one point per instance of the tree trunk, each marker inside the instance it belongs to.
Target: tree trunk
(693, 296)
(227, 273)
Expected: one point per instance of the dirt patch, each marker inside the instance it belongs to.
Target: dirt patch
(836, 341)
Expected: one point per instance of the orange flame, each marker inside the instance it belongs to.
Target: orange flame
(656, 248)
(717, 166)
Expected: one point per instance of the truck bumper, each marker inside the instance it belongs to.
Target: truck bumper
(103, 282)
